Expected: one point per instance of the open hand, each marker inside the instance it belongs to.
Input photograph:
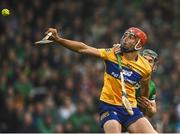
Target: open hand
(147, 105)
(144, 102)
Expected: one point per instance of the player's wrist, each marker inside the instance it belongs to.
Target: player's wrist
(150, 111)
(58, 39)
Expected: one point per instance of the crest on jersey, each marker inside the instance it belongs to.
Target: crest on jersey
(108, 50)
(104, 115)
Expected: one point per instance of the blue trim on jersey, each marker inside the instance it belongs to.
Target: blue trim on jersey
(130, 76)
(118, 113)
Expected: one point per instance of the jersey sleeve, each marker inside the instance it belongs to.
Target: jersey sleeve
(147, 75)
(152, 88)
(106, 53)
(147, 69)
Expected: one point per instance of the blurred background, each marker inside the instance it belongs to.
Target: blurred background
(47, 88)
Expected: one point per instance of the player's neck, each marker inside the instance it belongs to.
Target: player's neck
(131, 56)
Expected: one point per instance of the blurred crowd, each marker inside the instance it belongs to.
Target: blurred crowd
(47, 88)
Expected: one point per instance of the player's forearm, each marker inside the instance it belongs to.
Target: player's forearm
(79, 47)
(145, 88)
(145, 92)
(73, 45)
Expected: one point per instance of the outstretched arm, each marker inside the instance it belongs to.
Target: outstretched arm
(76, 46)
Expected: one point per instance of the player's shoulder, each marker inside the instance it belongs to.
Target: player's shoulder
(145, 64)
(152, 84)
(107, 53)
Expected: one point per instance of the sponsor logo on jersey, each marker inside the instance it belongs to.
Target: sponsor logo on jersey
(130, 76)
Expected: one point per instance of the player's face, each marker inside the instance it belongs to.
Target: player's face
(151, 62)
(129, 40)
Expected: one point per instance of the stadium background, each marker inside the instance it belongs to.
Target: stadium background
(51, 89)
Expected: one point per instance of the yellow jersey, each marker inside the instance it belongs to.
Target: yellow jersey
(134, 72)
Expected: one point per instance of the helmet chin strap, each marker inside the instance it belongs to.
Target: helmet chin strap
(136, 45)
(132, 49)
(126, 50)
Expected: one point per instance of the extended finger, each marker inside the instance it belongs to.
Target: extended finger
(145, 98)
(140, 102)
(141, 105)
(50, 30)
(117, 50)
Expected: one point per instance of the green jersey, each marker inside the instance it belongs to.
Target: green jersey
(152, 88)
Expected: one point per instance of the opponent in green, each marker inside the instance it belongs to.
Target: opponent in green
(148, 106)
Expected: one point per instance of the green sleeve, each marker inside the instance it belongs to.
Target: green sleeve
(152, 88)
(138, 90)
